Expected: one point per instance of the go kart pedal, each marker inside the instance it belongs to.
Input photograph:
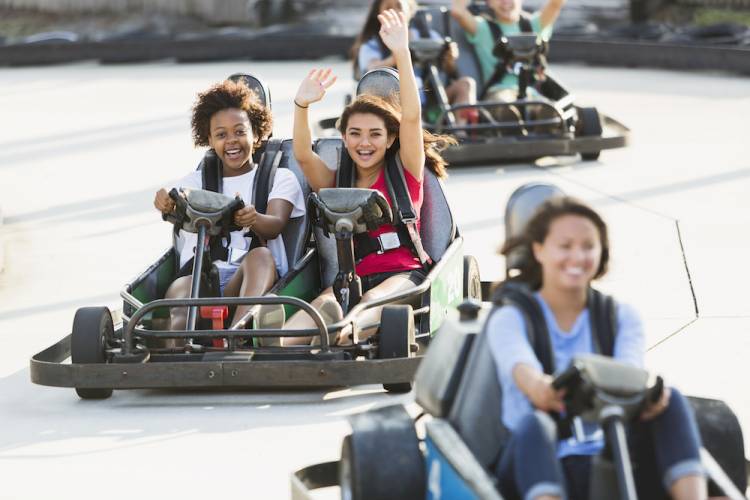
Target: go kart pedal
(217, 315)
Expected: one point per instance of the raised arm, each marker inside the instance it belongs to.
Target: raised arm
(550, 11)
(311, 90)
(460, 12)
(394, 30)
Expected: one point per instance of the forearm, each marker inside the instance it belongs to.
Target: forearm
(465, 19)
(411, 107)
(534, 384)
(550, 12)
(268, 226)
(301, 136)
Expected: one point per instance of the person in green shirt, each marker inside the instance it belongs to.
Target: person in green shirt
(506, 14)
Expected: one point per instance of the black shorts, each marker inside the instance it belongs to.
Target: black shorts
(370, 281)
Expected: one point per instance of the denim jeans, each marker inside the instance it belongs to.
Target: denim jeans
(663, 449)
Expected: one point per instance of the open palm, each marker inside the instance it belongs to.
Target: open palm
(394, 30)
(314, 86)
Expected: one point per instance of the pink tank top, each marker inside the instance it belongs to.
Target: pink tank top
(398, 259)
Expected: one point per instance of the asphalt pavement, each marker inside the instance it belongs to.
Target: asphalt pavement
(84, 148)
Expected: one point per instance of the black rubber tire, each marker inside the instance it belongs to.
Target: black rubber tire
(92, 326)
(396, 335)
(589, 125)
(472, 280)
(721, 435)
(382, 460)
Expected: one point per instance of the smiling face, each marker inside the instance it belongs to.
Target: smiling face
(570, 254)
(366, 140)
(507, 11)
(231, 136)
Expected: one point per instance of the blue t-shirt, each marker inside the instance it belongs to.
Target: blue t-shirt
(509, 346)
(484, 43)
(371, 51)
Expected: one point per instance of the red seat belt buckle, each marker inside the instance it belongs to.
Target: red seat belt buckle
(217, 315)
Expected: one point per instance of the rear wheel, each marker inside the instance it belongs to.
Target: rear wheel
(472, 281)
(92, 326)
(396, 335)
(589, 125)
(382, 459)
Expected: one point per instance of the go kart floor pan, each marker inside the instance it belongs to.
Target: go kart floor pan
(615, 135)
(47, 368)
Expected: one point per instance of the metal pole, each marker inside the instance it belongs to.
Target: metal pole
(197, 269)
(614, 430)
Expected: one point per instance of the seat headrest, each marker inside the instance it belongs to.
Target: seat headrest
(521, 207)
(382, 82)
(256, 85)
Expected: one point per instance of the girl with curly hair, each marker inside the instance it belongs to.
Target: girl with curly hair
(229, 119)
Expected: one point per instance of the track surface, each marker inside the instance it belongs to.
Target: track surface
(84, 147)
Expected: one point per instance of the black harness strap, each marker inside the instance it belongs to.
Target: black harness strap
(602, 315)
(524, 24)
(406, 217)
(263, 183)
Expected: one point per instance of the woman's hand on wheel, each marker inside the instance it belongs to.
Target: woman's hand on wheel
(657, 408)
(163, 202)
(545, 397)
(246, 217)
(313, 87)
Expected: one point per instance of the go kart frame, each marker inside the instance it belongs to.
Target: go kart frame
(135, 348)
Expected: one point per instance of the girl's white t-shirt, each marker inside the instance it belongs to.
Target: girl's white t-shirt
(285, 187)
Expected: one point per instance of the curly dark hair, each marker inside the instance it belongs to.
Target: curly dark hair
(530, 270)
(226, 95)
(391, 115)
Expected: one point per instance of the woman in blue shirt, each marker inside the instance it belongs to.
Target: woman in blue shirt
(569, 247)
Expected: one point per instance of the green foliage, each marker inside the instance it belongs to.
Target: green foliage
(705, 17)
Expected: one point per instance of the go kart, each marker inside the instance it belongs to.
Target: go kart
(542, 120)
(452, 447)
(135, 348)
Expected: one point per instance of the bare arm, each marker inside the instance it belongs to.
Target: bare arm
(394, 31)
(550, 11)
(311, 90)
(462, 15)
(388, 62)
(537, 386)
(269, 225)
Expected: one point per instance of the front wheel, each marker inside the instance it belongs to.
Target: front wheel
(92, 326)
(396, 335)
(382, 460)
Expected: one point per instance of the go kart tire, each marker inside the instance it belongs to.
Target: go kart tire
(589, 125)
(721, 435)
(92, 326)
(396, 335)
(472, 281)
(382, 460)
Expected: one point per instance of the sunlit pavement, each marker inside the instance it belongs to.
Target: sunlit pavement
(84, 147)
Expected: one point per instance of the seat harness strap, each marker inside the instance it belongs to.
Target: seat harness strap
(524, 24)
(405, 224)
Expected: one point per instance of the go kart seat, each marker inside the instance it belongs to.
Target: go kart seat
(329, 150)
(521, 206)
(296, 231)
(475, 413)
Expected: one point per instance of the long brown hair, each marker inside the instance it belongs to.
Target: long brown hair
(536, 232)
(391, 115)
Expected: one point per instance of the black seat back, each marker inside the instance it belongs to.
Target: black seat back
(296, 232)
(521, 206)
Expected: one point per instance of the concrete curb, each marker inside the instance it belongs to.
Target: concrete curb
(305, 46)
